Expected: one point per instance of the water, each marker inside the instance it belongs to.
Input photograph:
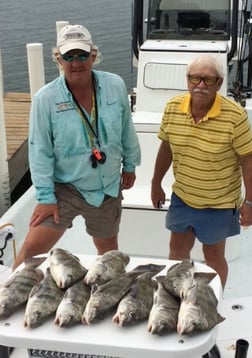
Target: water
(28, 21)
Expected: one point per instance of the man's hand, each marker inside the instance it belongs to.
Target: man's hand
(128, 180)
(42, 211)
(245, 215)
(157, 195)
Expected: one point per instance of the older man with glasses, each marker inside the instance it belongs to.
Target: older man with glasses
(208, 139)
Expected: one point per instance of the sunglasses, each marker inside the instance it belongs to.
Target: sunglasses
(208, 81)
(80, 57)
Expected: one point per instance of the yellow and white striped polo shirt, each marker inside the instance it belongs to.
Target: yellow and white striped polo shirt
(206, 155)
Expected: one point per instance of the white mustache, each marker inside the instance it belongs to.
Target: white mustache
(197, 90)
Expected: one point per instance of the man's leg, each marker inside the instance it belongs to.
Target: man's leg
(105, 244)
(39, 240)
(181, 245)
(215, 258)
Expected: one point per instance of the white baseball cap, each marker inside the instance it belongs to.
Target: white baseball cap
(72, 37)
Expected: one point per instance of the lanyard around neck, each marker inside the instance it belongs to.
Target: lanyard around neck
(84, 116)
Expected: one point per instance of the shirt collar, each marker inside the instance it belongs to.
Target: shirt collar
(214, 111)
(96, 77)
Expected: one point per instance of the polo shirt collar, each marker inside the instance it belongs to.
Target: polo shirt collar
(214, 111)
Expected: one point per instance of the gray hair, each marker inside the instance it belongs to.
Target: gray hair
(56, 55)
(208, 61)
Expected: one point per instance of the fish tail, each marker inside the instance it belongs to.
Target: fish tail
(34, 261)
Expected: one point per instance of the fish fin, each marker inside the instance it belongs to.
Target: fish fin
(83, 320)
(171, 268)
(134, 289)
(160, 278)
(190, 296)
(187, 261)
(25, 323)
(115, 318)
(34, 290)
(48, 271)
(75, 257)
(220, 318)
(58, 249)
(56, 320)
(34, 261)
(183, 262)
(205, 276)
(67, 294)
(94, 288)
(154, 284)
(155, 269)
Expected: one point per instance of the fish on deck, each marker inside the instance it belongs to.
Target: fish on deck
(65, 268)
(135, 306)
(163, 316)
(198, 309)
(105, 297)
(179, 277)
(15, 291)
(72, 306)
(43, 301)
(107, 266)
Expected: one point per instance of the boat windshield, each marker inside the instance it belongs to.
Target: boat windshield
(189, 19)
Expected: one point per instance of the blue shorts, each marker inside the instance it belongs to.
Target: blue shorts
(209, 225)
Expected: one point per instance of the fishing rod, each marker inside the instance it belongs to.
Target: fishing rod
(241, 91)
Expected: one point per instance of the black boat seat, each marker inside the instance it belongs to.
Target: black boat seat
(193, 20)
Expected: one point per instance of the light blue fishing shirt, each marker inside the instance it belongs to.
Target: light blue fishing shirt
(59, 140)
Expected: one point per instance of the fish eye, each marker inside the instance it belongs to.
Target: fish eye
(37, 314)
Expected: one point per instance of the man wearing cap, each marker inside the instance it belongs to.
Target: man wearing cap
(83, 149)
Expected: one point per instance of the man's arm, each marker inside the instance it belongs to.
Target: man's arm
(246, 208)
(162, 164)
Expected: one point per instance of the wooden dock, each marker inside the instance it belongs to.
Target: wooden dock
(16, 112)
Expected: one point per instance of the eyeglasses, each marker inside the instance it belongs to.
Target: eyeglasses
(208, 81)
(80, 57)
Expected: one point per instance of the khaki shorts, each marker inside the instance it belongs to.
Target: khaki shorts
(101, 222)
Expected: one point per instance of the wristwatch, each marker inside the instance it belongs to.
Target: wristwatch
(247, 202)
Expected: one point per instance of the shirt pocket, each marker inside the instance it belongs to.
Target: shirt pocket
(110, 122)
(70, 138)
